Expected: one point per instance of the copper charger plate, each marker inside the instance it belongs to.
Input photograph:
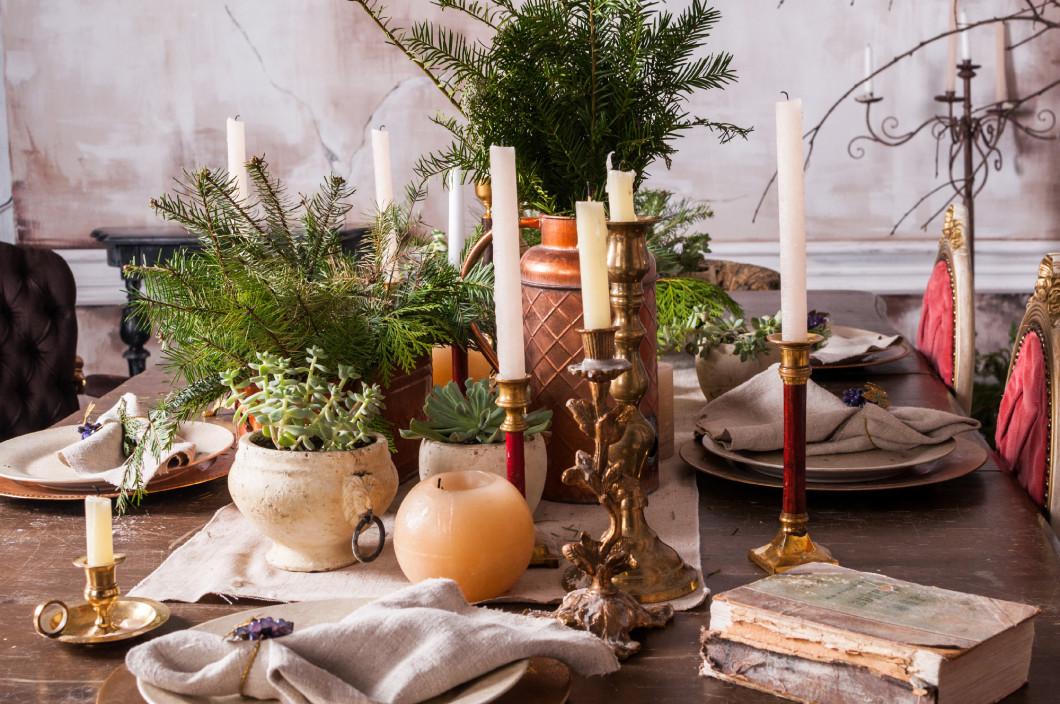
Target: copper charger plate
(200, 473)
(546, 681)
(967, 457)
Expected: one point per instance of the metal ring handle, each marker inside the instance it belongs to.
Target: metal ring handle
(51, 629)
(484, 344)
(368, 518)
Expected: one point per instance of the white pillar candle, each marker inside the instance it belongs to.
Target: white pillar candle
(237, 156)
(1001, 79)
(592, 260)
(507, 294)
(951, 53)
(792, 220)
(457, 236)
(966, 51)
(868, 69)
(98, 531)
(620, 194)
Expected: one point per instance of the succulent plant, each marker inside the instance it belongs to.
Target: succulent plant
(474, 419)
(302, 408)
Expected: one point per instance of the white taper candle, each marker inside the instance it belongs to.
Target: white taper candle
(237, 156)
(951, 53)
(1001, 78)
(620, 194)
(508, 288)
(457, 236)
(868, 69)
(966, 51)
(790, 191)
(592, 260)
(98, 535)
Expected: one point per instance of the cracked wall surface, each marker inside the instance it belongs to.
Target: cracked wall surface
(109, 101)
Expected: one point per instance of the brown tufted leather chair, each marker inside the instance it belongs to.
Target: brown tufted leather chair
(38, 341)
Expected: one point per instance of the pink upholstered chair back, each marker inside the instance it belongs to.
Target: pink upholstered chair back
(946, 335)
(1027, 433)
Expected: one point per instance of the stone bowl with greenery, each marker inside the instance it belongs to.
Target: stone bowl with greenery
(317, 473)
(463, 431)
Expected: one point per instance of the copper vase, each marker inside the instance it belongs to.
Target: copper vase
(552, 314)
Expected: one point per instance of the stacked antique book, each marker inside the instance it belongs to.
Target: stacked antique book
(829, 635)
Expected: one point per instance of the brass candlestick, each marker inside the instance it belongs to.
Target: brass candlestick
(106, 616)
(660, 573)
(792, 545)
(603, 608)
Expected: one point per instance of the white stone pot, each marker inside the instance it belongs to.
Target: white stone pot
(309, 503)
(722, 370)
(437, 457)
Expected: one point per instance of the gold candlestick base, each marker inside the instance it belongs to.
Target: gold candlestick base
(105, 617)
(790, 547)
(660, 574)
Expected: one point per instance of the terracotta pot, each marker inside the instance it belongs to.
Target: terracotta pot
(438, 457)
(308, 503)
(722, 370)
(552, 310)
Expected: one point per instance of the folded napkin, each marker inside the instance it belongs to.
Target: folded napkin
(415, 644)
(100, 454)
(839, 347)
(751, 417)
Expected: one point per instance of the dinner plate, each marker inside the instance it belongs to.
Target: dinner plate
(967, 457)
(846, 467)
(33, 457)
(888, 354)
(480, 690)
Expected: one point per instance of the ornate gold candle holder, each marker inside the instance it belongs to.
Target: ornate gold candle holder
(105, 617)
(660, 573)
(602, 608)
(792, 545)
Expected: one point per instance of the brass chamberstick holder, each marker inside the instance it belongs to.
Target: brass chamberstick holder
(105, 617)
(792, 545)
(602, 608)
(660, 573)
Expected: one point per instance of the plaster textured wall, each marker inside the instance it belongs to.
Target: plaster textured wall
(108, 101)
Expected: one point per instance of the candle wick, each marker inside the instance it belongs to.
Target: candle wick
(588, 191)
(236, 118)
(439, 482)
(382, 127)
(609, 166)
(785, 94)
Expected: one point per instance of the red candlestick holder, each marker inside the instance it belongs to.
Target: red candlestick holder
(792, 545)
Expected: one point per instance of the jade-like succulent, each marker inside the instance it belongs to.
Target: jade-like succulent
(305, 408)
(474, 419)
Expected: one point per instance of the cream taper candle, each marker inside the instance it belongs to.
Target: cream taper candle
(237, 156)
(507, 291)
(98, 536)
(1001, 78)
(790, 191)
(620, 194)
(592, 260)
(384, 183)
(951, 53)
(457, 236)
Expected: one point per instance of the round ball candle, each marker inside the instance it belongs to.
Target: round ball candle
(472, 527)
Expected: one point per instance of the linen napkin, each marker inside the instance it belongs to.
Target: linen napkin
(751, 417)
(415, 644)
(839, 347)
(100, 454)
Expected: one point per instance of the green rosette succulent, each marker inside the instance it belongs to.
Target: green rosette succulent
(472, 419)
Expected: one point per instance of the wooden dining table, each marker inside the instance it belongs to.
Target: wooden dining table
(977, 533)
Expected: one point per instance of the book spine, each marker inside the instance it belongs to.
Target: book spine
(804, 680)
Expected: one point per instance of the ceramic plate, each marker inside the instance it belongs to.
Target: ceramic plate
(889, 354)
(32, 457)
(847, 467)
(304, 614)
(967, 458)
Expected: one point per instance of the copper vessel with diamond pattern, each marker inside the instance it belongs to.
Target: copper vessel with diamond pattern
(552, 314)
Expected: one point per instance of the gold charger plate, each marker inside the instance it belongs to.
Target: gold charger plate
(888, 354)
(966, 457)
(480, 690)
(215, 468)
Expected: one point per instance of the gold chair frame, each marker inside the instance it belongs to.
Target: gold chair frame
(954, 250)
(1043, 317)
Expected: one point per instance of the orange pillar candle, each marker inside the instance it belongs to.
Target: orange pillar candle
(472, 527)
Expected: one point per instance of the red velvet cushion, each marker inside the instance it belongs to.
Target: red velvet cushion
(935, 336)
(1023, 420)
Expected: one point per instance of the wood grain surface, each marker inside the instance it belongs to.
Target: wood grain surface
(978, 533)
